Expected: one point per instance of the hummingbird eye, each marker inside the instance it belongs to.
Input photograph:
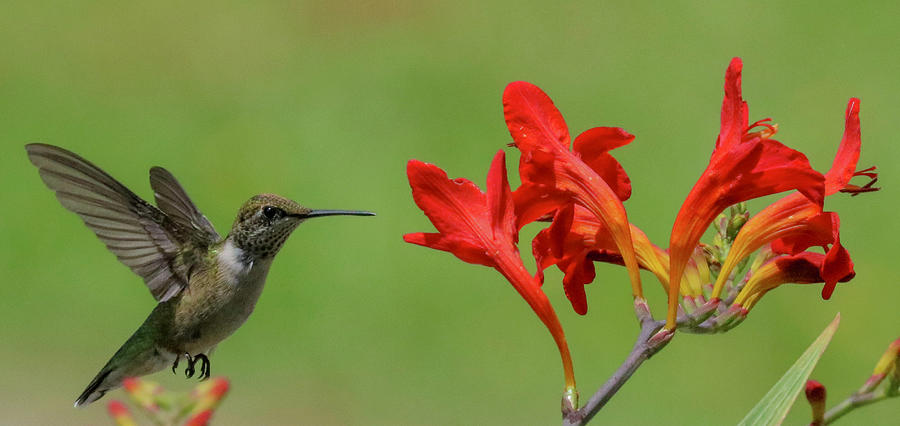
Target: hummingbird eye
(272, 212)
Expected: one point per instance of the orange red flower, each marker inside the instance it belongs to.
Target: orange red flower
(553, 175)
(480, 228)
(745, 164)
(576, 239)
(794, 223)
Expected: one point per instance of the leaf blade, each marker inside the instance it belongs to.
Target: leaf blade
(774, 406)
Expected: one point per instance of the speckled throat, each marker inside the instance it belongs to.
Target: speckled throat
(262, 243)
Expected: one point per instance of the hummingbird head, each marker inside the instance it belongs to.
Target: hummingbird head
(265, 221)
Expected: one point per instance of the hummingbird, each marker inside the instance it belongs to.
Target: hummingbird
(205, 286)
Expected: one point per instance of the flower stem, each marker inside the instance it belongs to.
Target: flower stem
(648, 342)
(853, 402)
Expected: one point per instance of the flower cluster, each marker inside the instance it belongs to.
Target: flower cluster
(194, 409)
(580, 188)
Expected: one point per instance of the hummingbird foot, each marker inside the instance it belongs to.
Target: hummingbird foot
(175, 364)
(192, 361)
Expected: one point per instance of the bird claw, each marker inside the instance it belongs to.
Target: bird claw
(190, 370)
(204, 366)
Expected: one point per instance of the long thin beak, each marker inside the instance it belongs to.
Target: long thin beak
(320, 213)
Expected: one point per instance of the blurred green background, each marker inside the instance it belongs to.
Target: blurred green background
(325, 101)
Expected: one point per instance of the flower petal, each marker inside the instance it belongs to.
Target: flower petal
(462, 248)
(576, 239)
(533, 202)
(782, 218)
(735, 114)
(837, 268)
(532, 119)
(456, 208)
(579, 272)
(844, 165)
(748, 170)
(818, 230)
(740, 169)
(821, 230)
(593, 145)
(541, 135)
(481, 228)
(500, 201)
(801, 268)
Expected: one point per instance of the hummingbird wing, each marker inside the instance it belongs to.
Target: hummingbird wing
(172, 199)
(139, 234)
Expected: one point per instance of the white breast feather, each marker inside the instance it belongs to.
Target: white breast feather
(233, 263)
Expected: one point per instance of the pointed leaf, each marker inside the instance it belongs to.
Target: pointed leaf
(772, 409)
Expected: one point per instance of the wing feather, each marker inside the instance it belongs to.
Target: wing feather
(142, 236)
(173, 200)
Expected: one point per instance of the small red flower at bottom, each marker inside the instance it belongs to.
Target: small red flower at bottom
(166, 408)
(815, 394)
(120, 413)
(480, 228)
(200, 419)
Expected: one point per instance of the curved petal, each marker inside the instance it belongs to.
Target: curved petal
(837, 268)
(785, 217)
(538, 130)
(802, 268)
(481, 228)
(748, 170)
(819, 230)
(741, 168)
(794, 223)
(534, 202)
(593, 145)
(735, 114)
(576, 239)
(578, 272)
(844, 165)
(501, 208)
(463, 248)
(822, 230)
(455, 207)
(532, 119)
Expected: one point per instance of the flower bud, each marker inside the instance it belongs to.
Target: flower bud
(815, 394)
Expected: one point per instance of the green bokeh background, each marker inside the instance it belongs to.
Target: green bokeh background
(324, 102)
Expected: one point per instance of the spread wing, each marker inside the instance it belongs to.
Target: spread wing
(174, 202)
(142, 236)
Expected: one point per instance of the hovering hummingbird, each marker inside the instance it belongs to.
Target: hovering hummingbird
(205, 285)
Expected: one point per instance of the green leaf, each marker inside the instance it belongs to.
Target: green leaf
(773, 407)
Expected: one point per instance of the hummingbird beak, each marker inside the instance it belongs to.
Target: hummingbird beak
(320, 213)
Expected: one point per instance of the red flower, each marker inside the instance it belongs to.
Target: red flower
(120, 413)
(200, 419)
(576, 239)
(815, 394)
(802, 268)
(795, 223)
(554, 176)
(480, 228)
(743, 166)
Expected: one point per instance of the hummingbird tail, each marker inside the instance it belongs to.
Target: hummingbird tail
(137, 357)
(94, 391)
